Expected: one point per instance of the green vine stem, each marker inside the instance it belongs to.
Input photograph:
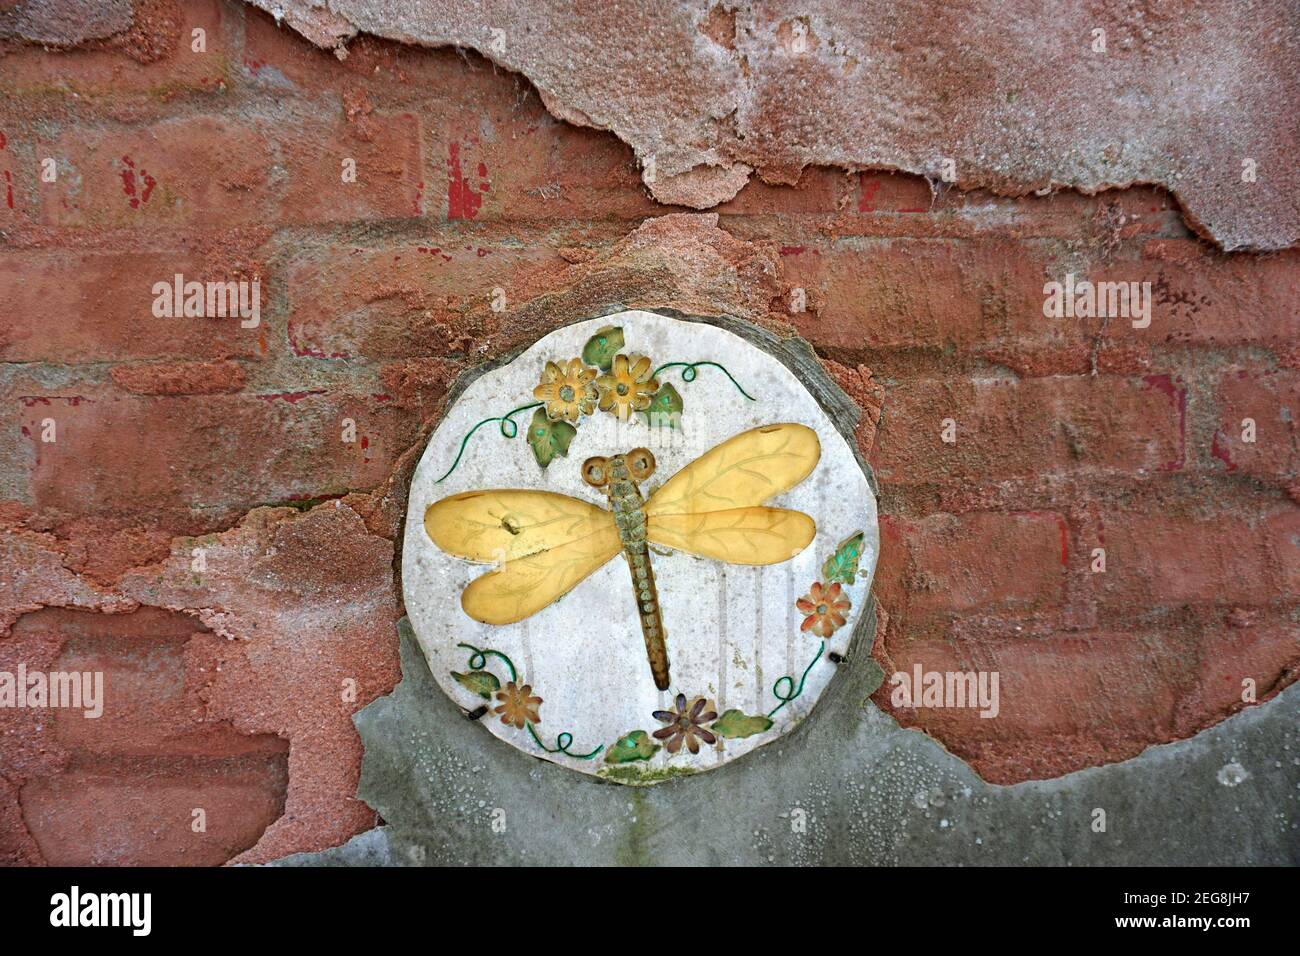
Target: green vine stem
(562, 744)
(508, 430)
(690, 371)
(478, 661)
(791, 692)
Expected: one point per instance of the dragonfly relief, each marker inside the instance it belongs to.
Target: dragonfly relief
(545, 543)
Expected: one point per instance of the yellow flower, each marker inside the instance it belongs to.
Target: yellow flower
(568, 389)
(628, 386)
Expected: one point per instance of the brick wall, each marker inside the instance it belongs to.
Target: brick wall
(926, 304)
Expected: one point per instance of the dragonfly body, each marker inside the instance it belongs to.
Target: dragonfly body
(545, 544)
(616, 475)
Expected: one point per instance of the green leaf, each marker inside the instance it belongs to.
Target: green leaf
(842, 566)
(483, 683)
(734, 724)
(602, 347)
(548, 438)
(665, 408)
(634, 746)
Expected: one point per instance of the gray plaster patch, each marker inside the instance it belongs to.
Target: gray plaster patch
(848, 786)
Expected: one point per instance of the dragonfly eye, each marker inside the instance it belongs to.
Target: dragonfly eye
(595, 472)
(641, 463)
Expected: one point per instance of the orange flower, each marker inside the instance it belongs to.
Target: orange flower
(518, 706)
(827, 609)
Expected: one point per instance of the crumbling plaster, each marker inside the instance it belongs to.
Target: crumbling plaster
(1186, 95)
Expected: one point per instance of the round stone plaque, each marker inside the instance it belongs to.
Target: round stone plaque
(637, 549)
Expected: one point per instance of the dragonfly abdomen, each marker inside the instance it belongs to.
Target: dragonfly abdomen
(626, 503)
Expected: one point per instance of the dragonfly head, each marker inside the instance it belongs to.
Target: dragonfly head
(595, 472)
(638, 465)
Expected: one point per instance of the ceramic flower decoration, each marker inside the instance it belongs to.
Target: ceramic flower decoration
(628, 386)
(568, 390)
(826, 607)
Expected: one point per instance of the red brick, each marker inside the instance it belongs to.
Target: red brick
(127, 781)
(188, 458)
(103, 549)
(1263, 652)
(1166, 559)
(981, 561)
(419, 384)
(140, 812)
(510, 161)
(96, 73)
(18, 179)
(820, 190)
(1006, 428)
(216, 173)
(1069, 701)
(987, 297)
(539, 169)
(1272, 400)
(932, 294)
(30, 746)
(278, 59)
(403, 300)
(98, 306)
(892, 192)
(1205, 297)
(390, 179)
(203, 172)
(1282, 531)
(180, 378)
(146, 707)
(17, 848)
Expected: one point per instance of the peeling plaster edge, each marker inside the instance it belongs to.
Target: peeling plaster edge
(668, 189)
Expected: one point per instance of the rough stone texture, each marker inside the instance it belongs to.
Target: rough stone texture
(65, 22)
(1013, 93)
(924, 305)
(865, 791)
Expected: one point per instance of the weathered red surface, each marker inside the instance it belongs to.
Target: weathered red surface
(176, 434)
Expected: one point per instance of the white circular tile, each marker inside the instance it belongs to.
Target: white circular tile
(733, 631)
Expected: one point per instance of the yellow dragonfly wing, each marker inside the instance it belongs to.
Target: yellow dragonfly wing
(502, 525)
(524, 586)
(739, 535)
(745, 470)
(545, 543)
